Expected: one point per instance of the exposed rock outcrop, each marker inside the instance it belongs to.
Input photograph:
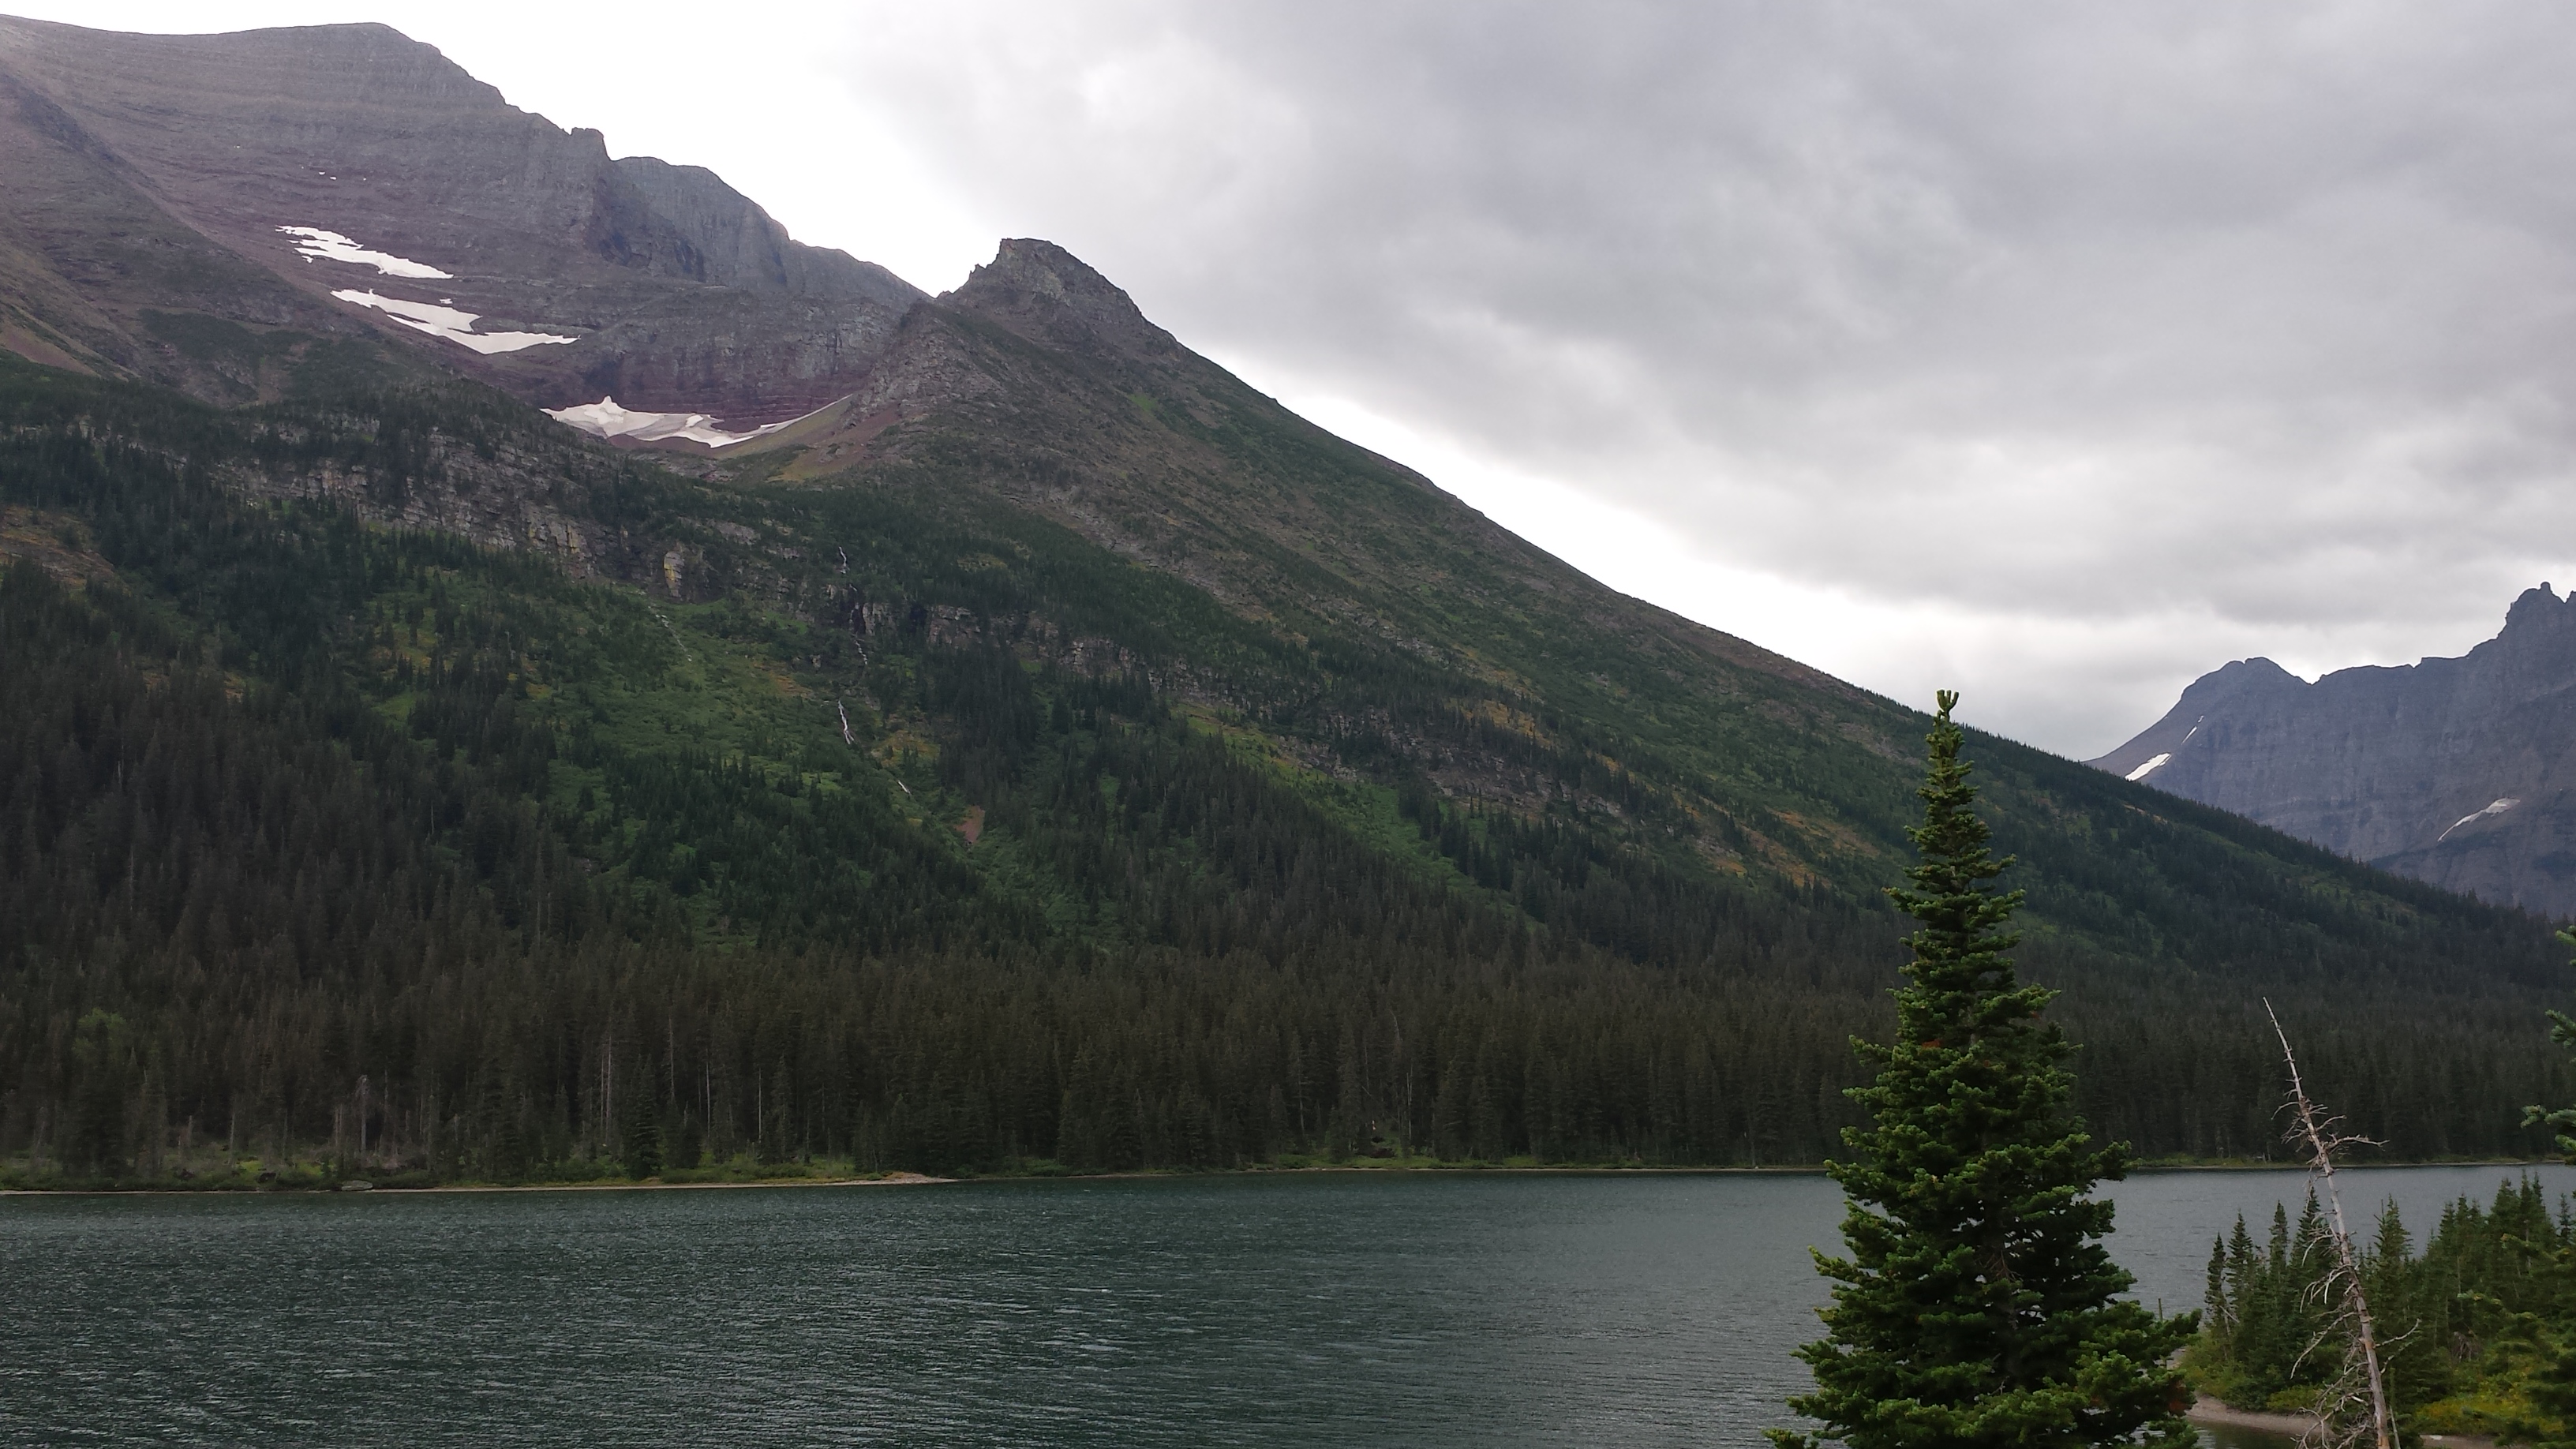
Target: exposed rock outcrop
(1047, 294)
(740, 245)
(145, 175)
(2461, 772)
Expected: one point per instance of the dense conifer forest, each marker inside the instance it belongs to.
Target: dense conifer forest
(901, 829)
(2480, 1326)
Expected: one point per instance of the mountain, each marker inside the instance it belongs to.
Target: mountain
(2461, 772)
(244, 215)
(1042, 749)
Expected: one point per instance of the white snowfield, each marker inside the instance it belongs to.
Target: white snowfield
(605, 419)
(2151, 766)
(447, 322)
(314, 242)
(2498, 808)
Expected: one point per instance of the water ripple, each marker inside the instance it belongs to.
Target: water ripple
(1491, 1310)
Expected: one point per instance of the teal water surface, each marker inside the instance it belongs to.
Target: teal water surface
(1309, 1309)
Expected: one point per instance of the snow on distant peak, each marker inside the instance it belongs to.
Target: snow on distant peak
(2498, 808)
(447, 322)
(2151, 766)
(313, 242)
(605, 419)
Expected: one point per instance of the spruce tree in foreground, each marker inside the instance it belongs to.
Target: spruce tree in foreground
(1978, 1306)
(2562, 1030)
(2553, 1344)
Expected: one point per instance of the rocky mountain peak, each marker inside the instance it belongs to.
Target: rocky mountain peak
(2458, 771)
(1043, 292)
(2537, 615)
(2240, 677)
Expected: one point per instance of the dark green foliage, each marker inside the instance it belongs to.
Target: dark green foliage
(380, 909)
(643, 1147)
(2475, 1332)
(2548, 1340)
(2549, 1383)
(1978, 1306)
(101, 1060)
(2562, 1030)
(2264, 1308)
(302, 799)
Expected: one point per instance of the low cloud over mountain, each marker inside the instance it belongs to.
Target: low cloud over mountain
(2050, 352)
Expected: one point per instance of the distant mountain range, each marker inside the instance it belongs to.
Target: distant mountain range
(937, 731)
(2461, 772)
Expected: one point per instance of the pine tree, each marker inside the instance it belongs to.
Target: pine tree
(2219, 1322)
(643, 1144)
(2562, 1030)
(2553, 1359)
(96, 1144)
(1978, 1306)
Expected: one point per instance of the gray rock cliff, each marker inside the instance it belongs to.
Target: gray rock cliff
(2460, 772)
(144, 177)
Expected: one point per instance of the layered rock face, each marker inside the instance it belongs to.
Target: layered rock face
(345, 181)
(2461, 772)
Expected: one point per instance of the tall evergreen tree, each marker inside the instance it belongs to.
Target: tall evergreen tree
(1978, 1306)
(95, 1145)
(2562, 1030)
(2553, 1376)
(643, 1142)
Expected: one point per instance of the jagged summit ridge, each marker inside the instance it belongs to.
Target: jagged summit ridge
(2460, 771)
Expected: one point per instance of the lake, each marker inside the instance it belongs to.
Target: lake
(1292, 1309)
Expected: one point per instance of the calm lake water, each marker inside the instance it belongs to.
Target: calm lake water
(1320, 1309)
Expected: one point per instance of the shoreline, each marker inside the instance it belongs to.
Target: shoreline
(2205, 1410)
(891, 1179)
(2210, 1411)
(915, 1179)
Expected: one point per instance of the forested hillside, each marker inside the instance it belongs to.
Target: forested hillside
(398, 767)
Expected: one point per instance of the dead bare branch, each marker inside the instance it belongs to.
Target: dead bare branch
(2361, 1382)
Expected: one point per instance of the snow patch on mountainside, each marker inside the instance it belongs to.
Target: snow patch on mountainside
(605, 419)
(448, 322)
(314, 242)
(2498, 808)
(2151, 766)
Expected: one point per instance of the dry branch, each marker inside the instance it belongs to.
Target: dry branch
(2320, 1138)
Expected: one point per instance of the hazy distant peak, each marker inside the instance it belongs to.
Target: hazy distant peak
(2241, 675)
(2458, 771)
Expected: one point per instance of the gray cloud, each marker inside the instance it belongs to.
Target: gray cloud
(2122, 338)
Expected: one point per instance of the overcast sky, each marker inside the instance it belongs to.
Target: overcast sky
(2056, 353)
